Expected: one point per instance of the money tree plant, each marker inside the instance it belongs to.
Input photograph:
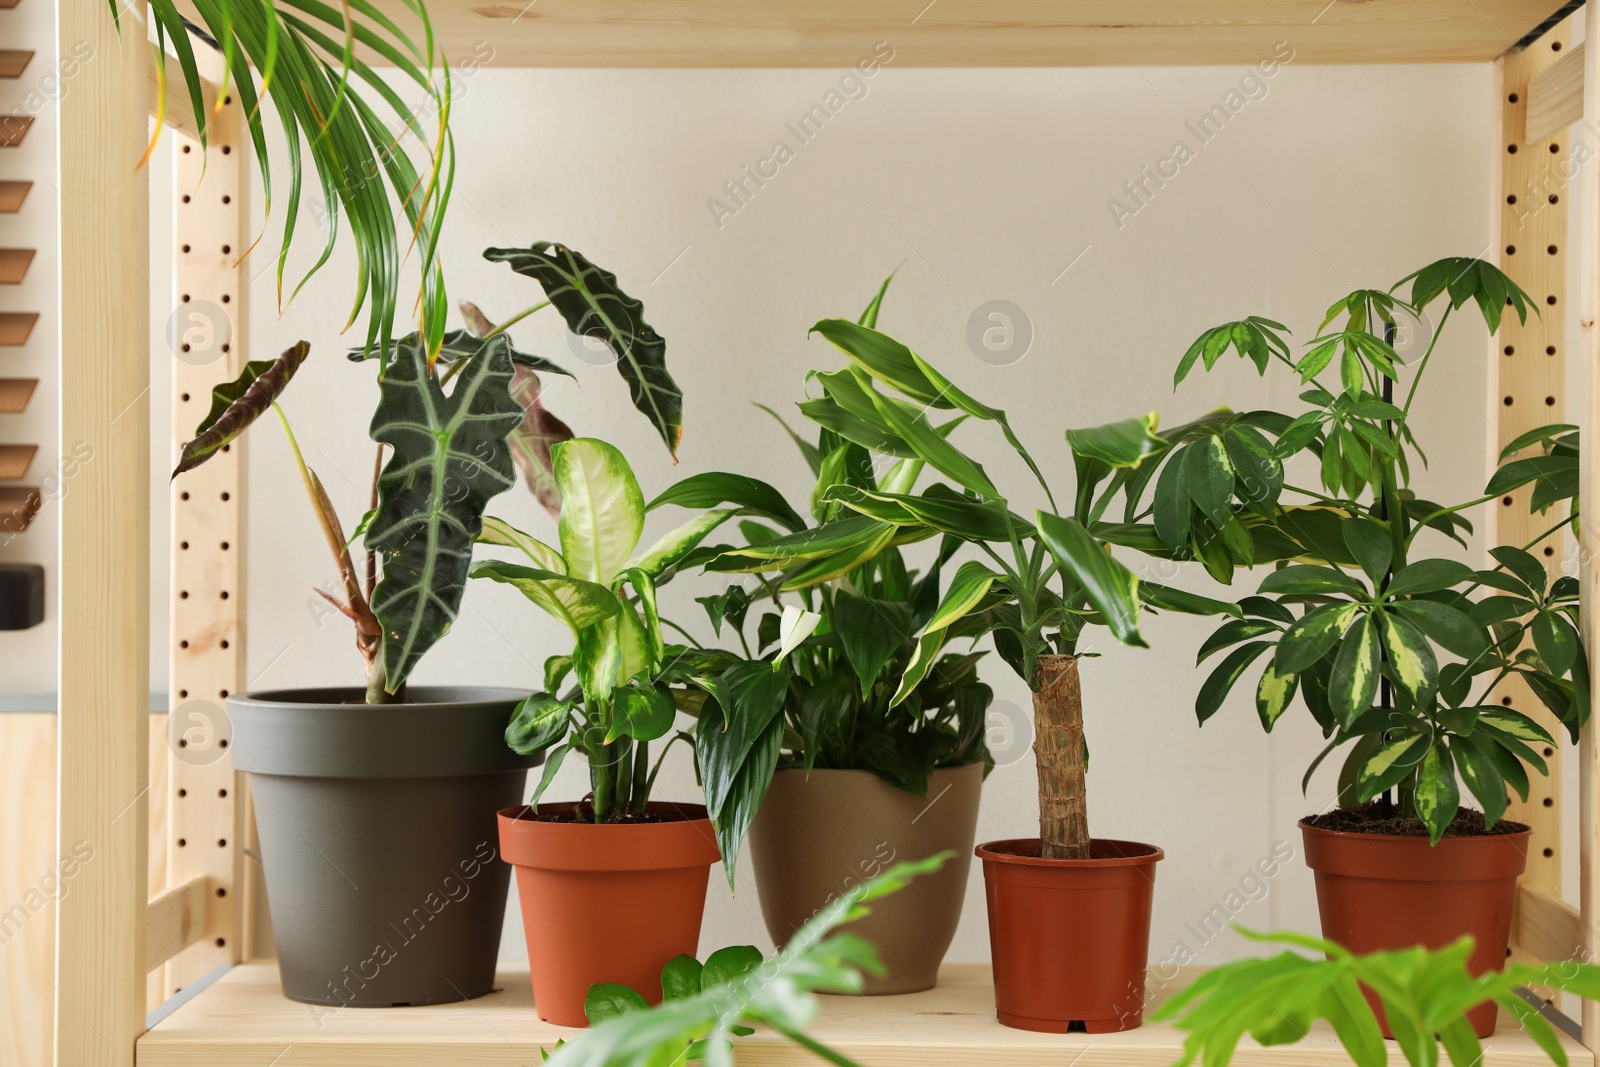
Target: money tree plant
(1041, 583)
(619, 700)
(1392, 643)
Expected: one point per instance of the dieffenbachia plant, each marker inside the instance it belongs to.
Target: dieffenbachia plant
(305, 58)
(605, 594)
(705, 1007)
(1043, 581)
(1392, 649)
(818, 688)
(1425, 995)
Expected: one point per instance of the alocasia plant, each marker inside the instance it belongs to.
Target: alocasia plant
(1394, 651)
(455, 419)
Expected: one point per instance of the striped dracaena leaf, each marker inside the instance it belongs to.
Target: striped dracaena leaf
(594, 306)
(449, 458)
(237, 404)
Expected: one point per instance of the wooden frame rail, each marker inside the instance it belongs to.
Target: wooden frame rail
(110, 932)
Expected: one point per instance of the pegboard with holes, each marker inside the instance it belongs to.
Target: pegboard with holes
(1528, 378)
(207, 815)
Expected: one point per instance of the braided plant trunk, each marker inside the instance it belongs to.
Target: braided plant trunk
(1060, 755)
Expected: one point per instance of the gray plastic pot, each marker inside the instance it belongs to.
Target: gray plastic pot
(818, 835)
(378, 838)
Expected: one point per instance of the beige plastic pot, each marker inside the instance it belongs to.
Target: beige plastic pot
(818, 835)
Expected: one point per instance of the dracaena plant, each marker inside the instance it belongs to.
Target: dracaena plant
(617, 701)
(1393, 649)
(1040, 583)
(817, 686)
(454, 420)
(1426, 996)
(304, 57)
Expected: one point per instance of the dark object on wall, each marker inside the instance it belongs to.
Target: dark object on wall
(21, 595)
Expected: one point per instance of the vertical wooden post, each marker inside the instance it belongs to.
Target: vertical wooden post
(103, 608)
(1587, 188)
(206, 820)
(1527, 378)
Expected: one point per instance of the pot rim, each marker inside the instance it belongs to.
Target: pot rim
(682, 843)
(1147, 856)
(686, 813)
(1306, 827)
(294, 697)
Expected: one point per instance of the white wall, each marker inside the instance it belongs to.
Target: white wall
(979, 185)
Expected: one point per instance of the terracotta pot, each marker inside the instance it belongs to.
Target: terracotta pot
(1378, 892)
(607, 903)
(1070, 938)
(376, 838)
(818, 835)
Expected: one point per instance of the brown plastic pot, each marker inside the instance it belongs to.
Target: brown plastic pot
(1380, 892)
(607, 903)
(818, 835)
(1069, 938)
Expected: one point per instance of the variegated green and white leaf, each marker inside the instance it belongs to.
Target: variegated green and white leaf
(967, 590)
(1273, 694)
(449, 457)
(500, 532)
(1437, 796)
(1391, 764)
(1410, 657)
(602, 509)
(578, 603)
(1354, 679)
(928, 646)
(675, 544)
(539, 722)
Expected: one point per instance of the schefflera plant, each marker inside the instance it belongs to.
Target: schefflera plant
(1394, 651)
(1042, 582)
(617, 701)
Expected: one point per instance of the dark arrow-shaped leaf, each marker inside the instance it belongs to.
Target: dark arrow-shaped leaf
(237, 404)
(463, 344)
(593, 306)
(449, 458)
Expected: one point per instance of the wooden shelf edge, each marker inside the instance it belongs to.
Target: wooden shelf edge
(243, 1019)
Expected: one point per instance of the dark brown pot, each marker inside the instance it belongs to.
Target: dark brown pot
(607, 903)
(818, 835)
(1379, 892)
(1070, 938)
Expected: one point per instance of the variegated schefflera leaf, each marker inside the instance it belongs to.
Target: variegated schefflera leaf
(594, 306)
(449, 458)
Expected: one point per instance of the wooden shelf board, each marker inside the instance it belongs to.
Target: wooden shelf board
(13, 61)
(16, 459)
(243, 1019)
(16, 326)
(974, 33)
(14, 264)
(15, 394)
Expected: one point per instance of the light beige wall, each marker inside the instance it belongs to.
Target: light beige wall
(978, 185)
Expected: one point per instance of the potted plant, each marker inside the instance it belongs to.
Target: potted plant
(1069, 917)
(1393, 650)
(374, 804)
(838, 781)
(612, 885)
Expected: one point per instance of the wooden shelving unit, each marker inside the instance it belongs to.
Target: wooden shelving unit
(244, 1019)
(111, 935)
